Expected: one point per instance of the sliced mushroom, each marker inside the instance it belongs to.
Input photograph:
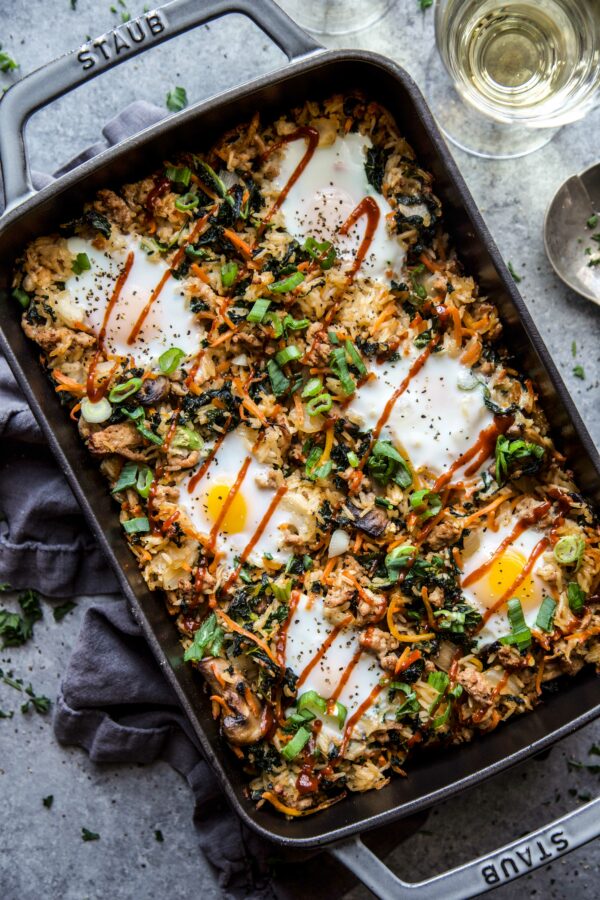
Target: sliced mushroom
(245, 719)
(374, 522)
(152, 391)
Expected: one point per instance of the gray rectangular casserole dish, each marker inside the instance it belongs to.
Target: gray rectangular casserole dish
(313, 72)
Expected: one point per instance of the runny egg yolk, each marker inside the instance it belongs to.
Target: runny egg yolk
(234, 520)
(503, 574)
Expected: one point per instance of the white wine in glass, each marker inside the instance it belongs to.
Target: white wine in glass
(520, 68)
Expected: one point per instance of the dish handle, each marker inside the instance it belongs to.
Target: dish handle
(121, 43)
(479, 875)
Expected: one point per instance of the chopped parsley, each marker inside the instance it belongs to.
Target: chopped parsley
(574, 349)
(527, 456)
(207, 641)
(158, 835)
(592, 221)
(177, 99)
(41, 704)
(81, 263)
(7, 63)
(16, 629)
(59, 612)
(48, 801)
(579, 372)
(87, 835)
(425, 4)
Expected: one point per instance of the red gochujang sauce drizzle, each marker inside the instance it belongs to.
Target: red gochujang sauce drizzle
(367, 207)
(343, 681)
(256, 536)
(355, 717)
(311, 136)
(95, 391)
(322, 650)
(161, 186)
(481, 449)
(177, 259)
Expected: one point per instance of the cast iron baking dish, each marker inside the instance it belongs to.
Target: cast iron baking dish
(312, 73)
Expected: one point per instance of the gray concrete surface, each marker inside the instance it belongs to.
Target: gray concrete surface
(41, 851)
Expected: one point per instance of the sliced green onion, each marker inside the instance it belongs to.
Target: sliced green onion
(257, 313)
(520, 632)
(149, 435)
(95, 413)
(187, 438)
(169, 360)
(136, 526)
(322, 471)
(320, 404)
(439, 681)
(312, 387)
(81, 263)
(292, 324)
(187, 202)
(193, 253)
(297, 744)
(313, 701)
(545, 616)
(311, 461)
(276, 324)
(178, 174)
(279, 382)
(355, 357)
(127, 477)
(229, 273)
(135, 415)
(353, 459)
(576, 597)
(426, 503)
(288, 354)
(569, 549)
(207, 640)
(282, 592)
(21, 297)
(339, 366)
(333, 338)
(144, 481)
(122, 391)
(287, 284)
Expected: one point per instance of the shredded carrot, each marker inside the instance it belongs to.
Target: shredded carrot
(74, 411)
(328, 445)
(200, 273)
(485, 510)
(427, 605)
(386, 313)
(457, 325)
(401, 659)
(472, 352)
(539, 675)
(223, 337)
(252, 637)
(429, 263)
(456, 555)
(355, 481)
(222, 703)
(151, 226)
(276, 802)
(68, 384)
(357, 542)
(248, 402)
(361, 591)
(329, 568)
(404, 638)
(238, 242)
(582, 635)
(406, 659)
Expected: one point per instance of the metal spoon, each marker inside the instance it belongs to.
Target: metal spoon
(567, 234)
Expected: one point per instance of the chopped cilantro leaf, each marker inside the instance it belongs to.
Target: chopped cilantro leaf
(7, 63)
(517, 278)
(579, 372)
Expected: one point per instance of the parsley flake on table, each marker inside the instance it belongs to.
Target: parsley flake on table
(574, 349)
(7, 63)
(40, 703)
(425, 4)
(177, 99)
(16, 629)
(158, 835)
(6, 715)
(48, 801)
(592, 221)
(59, 612)
(517, 278)
(87, 835)
(579, 372)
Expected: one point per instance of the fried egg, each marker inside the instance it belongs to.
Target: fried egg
(307, 632)
(237, 522)
(498, 579)
(170, 321)
(331, 186)
(433, 422)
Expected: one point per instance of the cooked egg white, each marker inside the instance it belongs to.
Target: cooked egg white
(169, 323)
(482, 594)
(247, 510)
(330, 188)
(433, 422)
(306, 633)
